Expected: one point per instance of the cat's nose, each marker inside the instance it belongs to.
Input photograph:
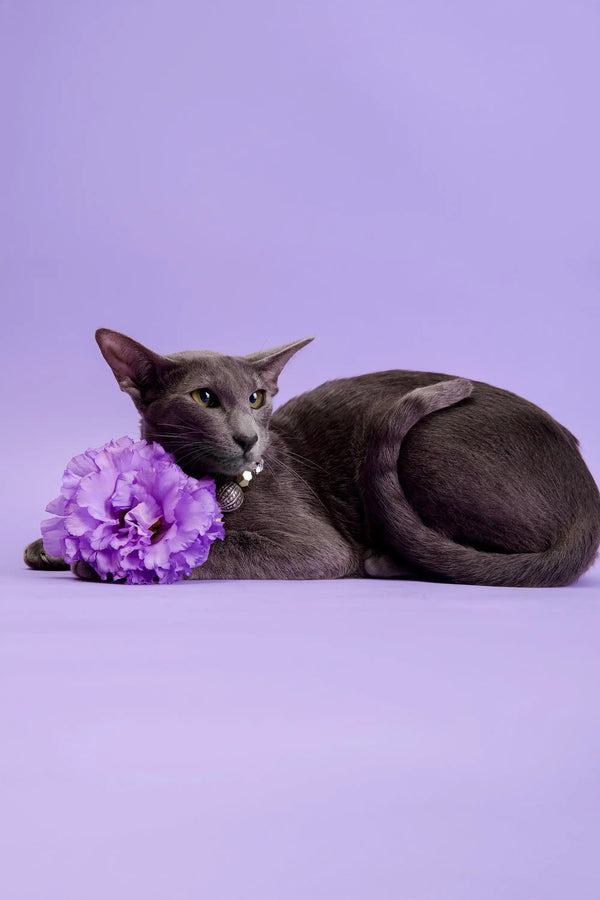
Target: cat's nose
(246, 441)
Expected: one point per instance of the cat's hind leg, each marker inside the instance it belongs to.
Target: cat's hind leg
(381, 565)
(36, 557)
(378, 565)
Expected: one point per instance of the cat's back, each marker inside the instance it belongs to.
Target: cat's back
(333, 410)
(342, 402)
(355, 393)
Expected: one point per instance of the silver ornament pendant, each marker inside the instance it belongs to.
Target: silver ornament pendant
(230, 496)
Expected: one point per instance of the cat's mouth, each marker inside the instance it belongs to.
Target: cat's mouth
(236, 464)
(217, 464)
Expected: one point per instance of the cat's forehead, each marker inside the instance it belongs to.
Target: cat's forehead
(197, 368)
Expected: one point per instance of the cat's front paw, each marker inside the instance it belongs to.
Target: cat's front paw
(84, 571)
(36, 557)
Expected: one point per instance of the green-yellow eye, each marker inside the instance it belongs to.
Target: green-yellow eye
(205, 397)
(257, 399)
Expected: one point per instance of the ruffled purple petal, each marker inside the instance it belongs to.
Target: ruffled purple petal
(80, 522)
(144, 515)
(94, 492)
(123, 492)
(59, 506)
(53, 536)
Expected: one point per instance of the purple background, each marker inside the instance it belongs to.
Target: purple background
(417, 185)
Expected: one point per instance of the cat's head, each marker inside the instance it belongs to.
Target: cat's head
(210, 410)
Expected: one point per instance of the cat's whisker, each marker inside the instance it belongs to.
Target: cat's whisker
(286, 468)
(182, 440)
(192, 454)
(182, 426)
(304, 460)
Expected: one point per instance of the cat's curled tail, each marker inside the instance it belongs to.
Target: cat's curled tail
(398, 526)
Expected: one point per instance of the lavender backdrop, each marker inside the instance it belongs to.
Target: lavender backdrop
(417, 185)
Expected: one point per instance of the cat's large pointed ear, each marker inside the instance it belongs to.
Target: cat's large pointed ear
(270, 362)
(134, 366)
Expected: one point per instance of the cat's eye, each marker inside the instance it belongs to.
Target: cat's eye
(205, 397)
(257, 399)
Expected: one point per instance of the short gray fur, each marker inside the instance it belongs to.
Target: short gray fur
(401, 474)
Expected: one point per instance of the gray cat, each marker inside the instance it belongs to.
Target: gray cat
(394, 474)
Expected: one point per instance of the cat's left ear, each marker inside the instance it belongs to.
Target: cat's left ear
(270, 362)
(135, 367)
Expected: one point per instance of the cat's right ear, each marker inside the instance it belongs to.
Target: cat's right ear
(134, 366)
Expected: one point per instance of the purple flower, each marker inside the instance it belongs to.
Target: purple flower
(128, 510)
